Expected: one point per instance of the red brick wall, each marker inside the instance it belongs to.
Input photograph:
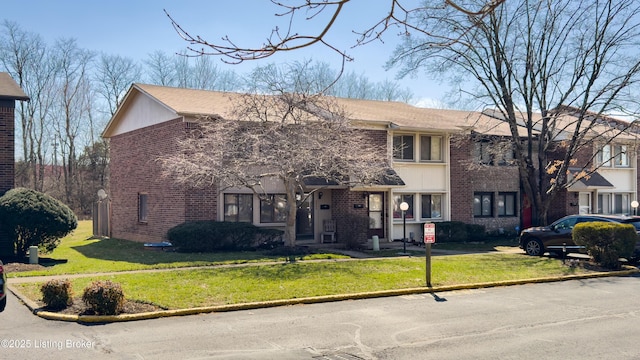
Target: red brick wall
(468, 178)
(134, 170)
(346, 201)
(7, 145)
(7, 163)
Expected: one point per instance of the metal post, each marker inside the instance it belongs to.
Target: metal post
(428, 264)
(404, 231)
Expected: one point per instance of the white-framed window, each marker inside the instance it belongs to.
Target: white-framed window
(430, 148)
(604, 203)
(403, 147)
(613, 155)
(621, 157)
(431, 206)
(399, 199)
(238, 207)
(143, 207)
(614, 203)
(273, 209)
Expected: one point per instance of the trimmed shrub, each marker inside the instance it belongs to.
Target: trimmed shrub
(35, 219)
(451, 231)
(104, 297)
(606, 242)
(212, 236)
(476, 232)
(353, 230)
(267, 239)
(57, 294)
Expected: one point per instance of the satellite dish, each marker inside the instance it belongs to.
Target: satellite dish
(102, 194)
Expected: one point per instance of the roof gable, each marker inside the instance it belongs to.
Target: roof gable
(9, 89)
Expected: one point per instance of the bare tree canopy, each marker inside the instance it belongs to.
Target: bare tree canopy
(392, 16)
(285, 138)
(553, 67)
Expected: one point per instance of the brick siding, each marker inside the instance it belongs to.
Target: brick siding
(468, 178)
(7, 145)
(7, 164)
(134, 170)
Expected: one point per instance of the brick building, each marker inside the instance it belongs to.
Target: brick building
(450, 165)
(10, 92)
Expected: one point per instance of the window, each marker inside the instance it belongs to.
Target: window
(403, 147)
(493, 152)
(604, 203)
(143, 207)
(613, 155)
(431, 206)
(621, 158)
(481, 152)
(506, 204)
(238, 207)
(430, 148)
(397, 200)
(483, 204)
(621, 203)
(273, 209)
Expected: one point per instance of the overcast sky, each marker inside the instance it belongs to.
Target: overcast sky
(135, 28)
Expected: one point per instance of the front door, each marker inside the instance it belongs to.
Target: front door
(375, 205)
(304, 219)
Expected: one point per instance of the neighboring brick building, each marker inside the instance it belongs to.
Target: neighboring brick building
(9, 93)
(449, 165)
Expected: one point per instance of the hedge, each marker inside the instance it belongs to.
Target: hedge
(212, 236)
(606, 242)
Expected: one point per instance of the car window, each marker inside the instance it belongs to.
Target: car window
(565, 224)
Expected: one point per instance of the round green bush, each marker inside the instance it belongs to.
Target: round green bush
(35, 219)
(606, 242)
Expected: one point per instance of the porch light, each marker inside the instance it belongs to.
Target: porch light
(634, 205)
(404, 207)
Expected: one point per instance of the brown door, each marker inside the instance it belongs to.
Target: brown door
(376, 208)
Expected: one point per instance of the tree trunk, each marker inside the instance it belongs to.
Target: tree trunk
(291, 213)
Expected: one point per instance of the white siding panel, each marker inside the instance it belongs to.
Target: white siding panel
(423, 177)
(622, 179)
(143, 111)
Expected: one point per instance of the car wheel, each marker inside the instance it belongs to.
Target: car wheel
(534, 247)
(3, 303)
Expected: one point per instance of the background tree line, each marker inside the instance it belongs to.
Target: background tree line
(74, 92)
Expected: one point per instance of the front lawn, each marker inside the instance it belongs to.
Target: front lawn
(232, 285)
(78, 253)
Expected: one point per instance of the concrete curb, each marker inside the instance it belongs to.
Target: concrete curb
(308, 300)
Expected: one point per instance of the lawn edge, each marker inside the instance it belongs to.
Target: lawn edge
(92, 319)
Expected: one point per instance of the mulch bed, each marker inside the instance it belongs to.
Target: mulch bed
(78, 307)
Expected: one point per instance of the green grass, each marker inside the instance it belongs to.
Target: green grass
(78, 253)
(184, 288)
(232, 285)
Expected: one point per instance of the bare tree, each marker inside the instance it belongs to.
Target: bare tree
(284, 137)
(286, 38)
(160, 69)
(114, 74)
(74, 103)
(26, 57)
(554, 68)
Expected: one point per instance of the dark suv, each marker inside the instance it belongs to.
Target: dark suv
(535, 241)
(3, 288)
